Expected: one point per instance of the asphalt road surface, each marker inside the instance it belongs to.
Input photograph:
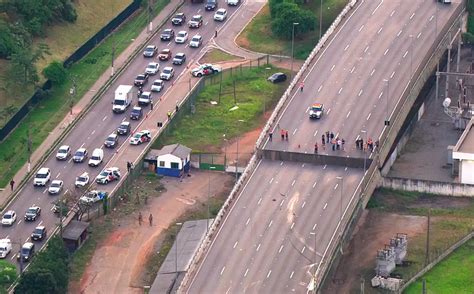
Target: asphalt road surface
(265, 244)
(99, 123)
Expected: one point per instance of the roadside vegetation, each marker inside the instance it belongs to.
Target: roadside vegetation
(7, 275)
(50, 112)
(455, 274)
(451, 218)
(204, 130)
(469, 35)
(271, 30)
(216, 56)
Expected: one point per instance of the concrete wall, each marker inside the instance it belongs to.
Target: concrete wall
(432, 187)
(312, 158)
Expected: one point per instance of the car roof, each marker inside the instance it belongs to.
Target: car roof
(197, 36)
(56, 181)
(151, 46)
(113, 135)
(40, 228)
(160, 81)
(113, 168)
(33, 206)
(137, 108)
(167, 30)
(221, 10)
(168, 68)
(153, 63)
(180, 13)
(182, 32)
(141, 75)
(85, 174)
(28, 245)
(317, 105)
(124, 123)
(64, 147)
(179, 54)
(197, 16)
(43, 170)
(10, 212)
(81, 149)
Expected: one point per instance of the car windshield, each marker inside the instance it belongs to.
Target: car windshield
(135, 111)
(79, 153)
(62, 151)
(152, 66)
(139, 78)
(220, 12)
(25, 251)
(195, 39)
(55, 185)
(119, 102)
(41, 176)
(111, 139)
(83, 179)
(123, 127)
(167, 71)
(196, 18)
(157, 83)
(104, 173)
(179, 56)
(7, 216)
(31, 211)
(166, 32)
(316, 108)
(149, 49)
(38, 231)
(137, 135)
(181, 34)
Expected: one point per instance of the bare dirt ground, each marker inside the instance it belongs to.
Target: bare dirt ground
(119, 261)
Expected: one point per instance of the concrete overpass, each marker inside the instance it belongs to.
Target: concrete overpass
(292, 209)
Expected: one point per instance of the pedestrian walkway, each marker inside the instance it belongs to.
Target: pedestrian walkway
(85, 100)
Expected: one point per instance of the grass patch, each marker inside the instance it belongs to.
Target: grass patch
(50, 112)
(455, 274)
(203, 131)
(92, 16)
(257, 36)
(217, 55)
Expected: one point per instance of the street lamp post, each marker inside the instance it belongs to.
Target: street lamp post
(387, 122)
(340, 200)
(176, 251)
(365, 151)
(293, 45)
(315, 256)
(411, 57)
(209, 199)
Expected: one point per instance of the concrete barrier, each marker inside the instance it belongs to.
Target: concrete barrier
(317, 159)
(431, 187)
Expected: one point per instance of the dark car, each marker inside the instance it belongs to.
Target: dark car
(141, 80)
(136, 113)
(195, 22)
(124, 128)
(26, 252)
(150, 51)
(165, 54)
(39, 233)
(167, 35)
(277, 77)
(111, 141)
(178, 19)
(179, 58)
(32, 213)
(210, 5)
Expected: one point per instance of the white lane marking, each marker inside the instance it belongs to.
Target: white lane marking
(380, 30)
(352, 69)
(105, 117)
(294, 132)
(319, 89)
(13, 256)
(235, 244)
(246, 272)
(315, 133)
(412, 15)
(372, 73)
(293, 183)
(314, 227)
(360, 29)
(82, 145)
(340, 90)
(269, 273)
(399, 33)
(199, 10)
(281, 203)
(380, 95)
(302, 250)
(292, 225)
(335, 187)
(45, 190)
(431, 18)
(325, 205)
(405, 55)
(27, 239)
(222, 270)
(228, 290)
(270, 224)
(386, 51)
(366, 48)
(332, 67)
(93, 132)
(304, 203)
(393, 73)
(360, 92)
(347, 46)
(291, 275)
(329, 110)
(418, 36)
(19, 222)
(373, 12)
(324, 167)
(281, 163)
(247, 221)
(271, 180)
(206, 23)
(391, 14)
(368, 116)
(314, 185)
(258, 247)
(40, 223)
(349, 113)
(186, 46)
(57, 176)
(259, 201)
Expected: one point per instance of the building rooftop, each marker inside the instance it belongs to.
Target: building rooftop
(74, 230)
(466, 142)
(177, 150)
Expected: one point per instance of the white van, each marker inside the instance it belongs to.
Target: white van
(97, 157)
(123, 98)
(5, 247)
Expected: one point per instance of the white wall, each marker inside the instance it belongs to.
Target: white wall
(168, 159)
(467, 172)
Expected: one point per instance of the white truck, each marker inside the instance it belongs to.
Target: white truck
(123, 98)
(5, 247)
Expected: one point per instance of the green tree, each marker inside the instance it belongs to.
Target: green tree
(7, 40)
(7, 273)
(37, 281)
(23, 63)
(273, 5)
(55, 72)
(282, 25)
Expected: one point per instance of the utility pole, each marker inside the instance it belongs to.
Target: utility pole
(293, 45)
(28, 146)
(427, 249)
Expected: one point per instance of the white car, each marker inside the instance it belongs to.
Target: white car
(220, 15)
(82, 180)
(157, 85)
(205, 70)
(140, 137)
(42, 177)
(145, 98)
(233, 2)
(96, 157)
(93, 197)
(5, 247)
(167, 73)
(152, 68)
(196, 41)
(9, 218)
(108, 175)
(63, 152)
(55, 187)
(181, 37)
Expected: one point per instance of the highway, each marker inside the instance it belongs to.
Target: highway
(93, 129)
(266, 242)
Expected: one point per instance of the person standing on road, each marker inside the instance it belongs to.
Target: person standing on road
(150, 219)
(129, 166)
(323, 139)
(140, 218)
(12, 184)
(282, 133)
(327, 136)
(270, 136)
(151, 105)
(215, 34)
(169, 115)
(286, 135)
(177, 108)
(316, 148)
(301, 86)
